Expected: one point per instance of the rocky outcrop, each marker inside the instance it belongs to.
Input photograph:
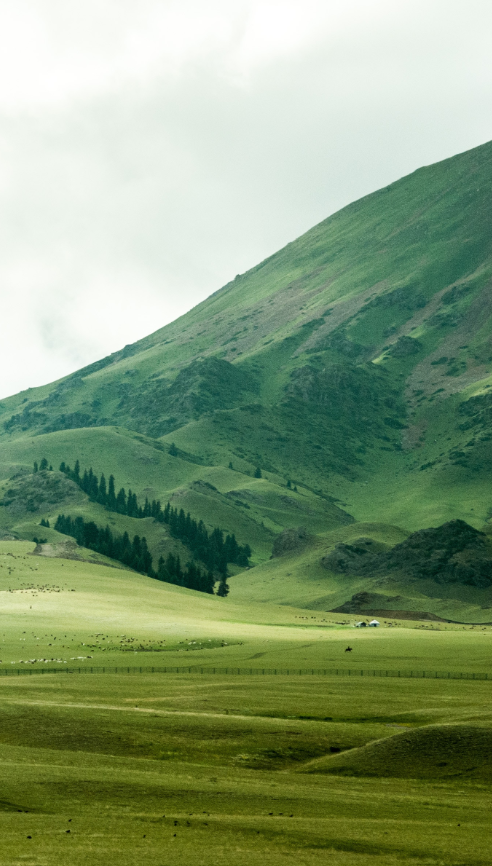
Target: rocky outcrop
(39, 492)
(289, 541)
(452, 553)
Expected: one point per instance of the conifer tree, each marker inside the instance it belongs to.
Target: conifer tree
(111, 497)
(102, 495)
(223, 589)
(94, 486)
(208, 583)
(121, 507)
(85, 482)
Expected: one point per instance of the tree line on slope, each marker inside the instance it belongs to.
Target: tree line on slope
(212, 549)
(136, 555)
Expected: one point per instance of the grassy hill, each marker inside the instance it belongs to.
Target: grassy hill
(429, 752)
(353, 368)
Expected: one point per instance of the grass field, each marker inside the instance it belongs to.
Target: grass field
(222, 769)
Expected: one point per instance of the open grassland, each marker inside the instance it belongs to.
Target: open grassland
(221, 769)
(84, 613)
(162, 769)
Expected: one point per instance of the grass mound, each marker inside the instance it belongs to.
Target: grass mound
(434, 751)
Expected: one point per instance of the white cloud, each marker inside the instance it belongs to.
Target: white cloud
(150, 151)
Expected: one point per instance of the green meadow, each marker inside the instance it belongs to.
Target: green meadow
(165, 768)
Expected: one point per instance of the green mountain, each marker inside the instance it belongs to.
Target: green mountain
(352, 368)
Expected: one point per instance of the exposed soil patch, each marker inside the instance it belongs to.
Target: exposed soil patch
(65, 550)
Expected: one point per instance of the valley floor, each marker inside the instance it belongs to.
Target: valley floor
(166, 769)
(161, 769)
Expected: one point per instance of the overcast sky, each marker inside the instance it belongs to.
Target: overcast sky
(150, 150)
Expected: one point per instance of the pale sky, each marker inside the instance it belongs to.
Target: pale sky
(150, 150)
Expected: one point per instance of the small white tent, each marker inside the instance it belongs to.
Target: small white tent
(374, 623)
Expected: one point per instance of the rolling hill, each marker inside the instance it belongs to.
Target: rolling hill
(346, 379)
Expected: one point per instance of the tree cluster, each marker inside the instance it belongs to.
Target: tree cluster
(104, 492)
(42, 466)
(212, 548)
(136, 554)
(192, 577)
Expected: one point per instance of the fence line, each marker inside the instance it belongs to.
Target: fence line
(323, 672)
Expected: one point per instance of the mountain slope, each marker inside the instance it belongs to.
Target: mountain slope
(354, 364)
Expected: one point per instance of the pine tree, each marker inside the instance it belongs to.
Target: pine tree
(162, 573)
(121, 506)
(258, 472)
(94, 486)
(208, 583)
(146, 558)
(171, 567)
(243, 556)
(132, 505)
(43, 465)
(36, 467)
(111, 498)
(178, 572)
(102, 495)
(223, 589)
